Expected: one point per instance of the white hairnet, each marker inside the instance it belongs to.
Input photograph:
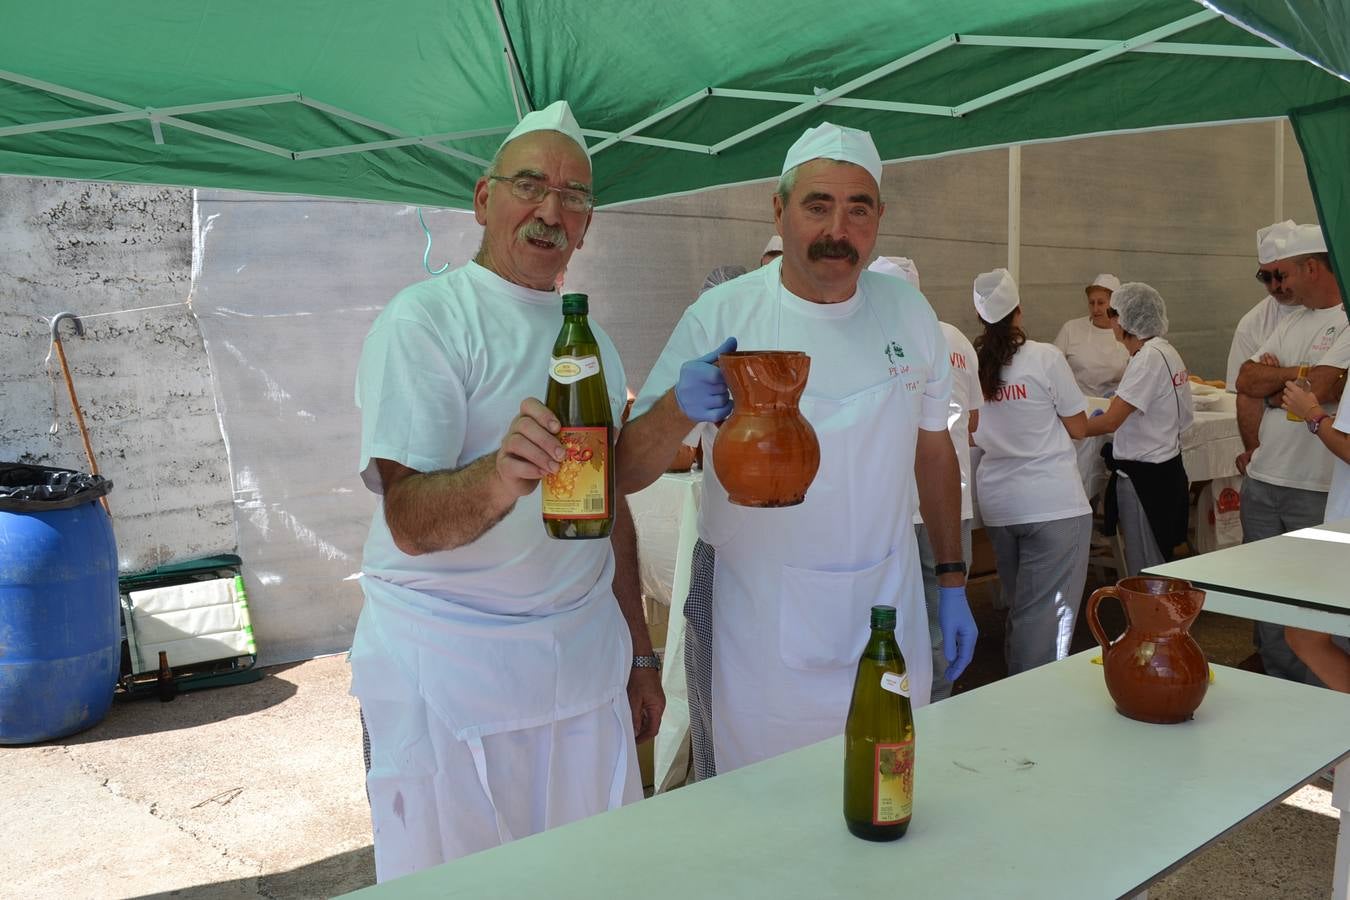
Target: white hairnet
(1142, 310)
(721, 274)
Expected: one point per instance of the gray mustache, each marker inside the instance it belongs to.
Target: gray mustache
(538, 231)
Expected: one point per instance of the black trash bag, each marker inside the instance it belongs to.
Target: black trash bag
(25, 488)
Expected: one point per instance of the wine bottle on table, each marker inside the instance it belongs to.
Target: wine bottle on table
(578, 499)
(879, 739)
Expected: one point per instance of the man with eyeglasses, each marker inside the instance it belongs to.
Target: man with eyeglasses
(501, 684)
(1288, 471)
(1260, 321)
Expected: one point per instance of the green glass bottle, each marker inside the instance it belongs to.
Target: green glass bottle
(879, 739)
(578, 500)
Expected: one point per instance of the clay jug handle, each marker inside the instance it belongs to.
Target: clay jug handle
(1090, 613)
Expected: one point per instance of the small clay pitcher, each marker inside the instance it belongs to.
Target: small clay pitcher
(766, 453)
(1155, 670)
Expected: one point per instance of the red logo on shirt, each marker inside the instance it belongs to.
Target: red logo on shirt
(958, 361)
(1010, 392)
(1180, 378)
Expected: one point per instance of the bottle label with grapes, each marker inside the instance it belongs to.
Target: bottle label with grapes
(580, 487)
(893, 783)
(571, 369)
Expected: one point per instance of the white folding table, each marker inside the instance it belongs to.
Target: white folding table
(1033, 786)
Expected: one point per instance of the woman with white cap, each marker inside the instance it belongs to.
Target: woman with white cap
(1149, 493)
(1089, 344)
(1027, 486)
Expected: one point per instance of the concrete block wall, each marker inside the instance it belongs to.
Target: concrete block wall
(141, 378)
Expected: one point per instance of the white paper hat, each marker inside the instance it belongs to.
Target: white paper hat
(995, 295)
(829, 141)
(1266, 237)
(899, 266)
(1104, 280)
(1285, 239)
(775, 245)
(557, 116)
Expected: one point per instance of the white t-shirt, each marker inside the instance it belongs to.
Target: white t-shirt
(1029, 472)
(1095, 356)
(1338, 501)
(886, 330)
(1253, 328)
(1158, 386)
(966, 396)
(441, 377)
(1289, 455)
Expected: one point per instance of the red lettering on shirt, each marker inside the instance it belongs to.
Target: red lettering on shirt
(1010, 392)
(1180, 378)
(958, 360)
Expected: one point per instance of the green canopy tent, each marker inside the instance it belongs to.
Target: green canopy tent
(406, 101)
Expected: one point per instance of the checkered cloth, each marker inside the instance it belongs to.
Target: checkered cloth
(698, 610)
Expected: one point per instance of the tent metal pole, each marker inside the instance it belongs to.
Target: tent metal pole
(156, 114)
(651, 142)
(923, 109)
(1234, 51)
(651, 120)
(802, 108)
(1279, 171)
(512, 65)
(426, 140)
(1015, 211)
(1086, 62)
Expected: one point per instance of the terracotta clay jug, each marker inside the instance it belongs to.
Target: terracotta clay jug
(766, 453)
(1155, 670)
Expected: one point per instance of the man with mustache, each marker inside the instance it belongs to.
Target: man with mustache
(500, 683)
(777, 613)
(1260, 321)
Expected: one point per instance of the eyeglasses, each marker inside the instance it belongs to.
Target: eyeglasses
(533, 190)
(1267, 277)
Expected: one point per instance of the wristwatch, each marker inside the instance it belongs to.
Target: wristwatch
(1315, 422)
(945, 568)
(651, 661)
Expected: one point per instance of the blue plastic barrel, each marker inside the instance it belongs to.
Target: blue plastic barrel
(59, 639)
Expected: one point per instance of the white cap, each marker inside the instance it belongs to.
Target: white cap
(899, 266)
(827, 141)
(557, 116)
(775, 245)
(1285, 239)
(995, 295)
(1104, 280)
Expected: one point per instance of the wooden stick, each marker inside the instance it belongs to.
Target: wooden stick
(79, 416)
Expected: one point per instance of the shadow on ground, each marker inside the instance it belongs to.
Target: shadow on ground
(338, 874)
(147, 715)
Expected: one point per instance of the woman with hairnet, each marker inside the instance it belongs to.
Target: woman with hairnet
(1027, 486)
(1149, 492)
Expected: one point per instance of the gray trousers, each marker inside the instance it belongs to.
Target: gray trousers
(1042, 567)
(1141, 547)
(1269, 510)
(942, 688)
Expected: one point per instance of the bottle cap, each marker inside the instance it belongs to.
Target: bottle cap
(883, 617)
(574, 304)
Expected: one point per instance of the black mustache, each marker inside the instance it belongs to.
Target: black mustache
(828, 248)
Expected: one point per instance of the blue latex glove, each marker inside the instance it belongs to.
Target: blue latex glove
(1096, 413)
(701, 391)
(958, 630)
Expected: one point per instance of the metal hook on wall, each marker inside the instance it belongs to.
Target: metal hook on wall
(426, 254)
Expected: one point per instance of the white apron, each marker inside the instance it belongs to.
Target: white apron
(793, 587)
(436, 680)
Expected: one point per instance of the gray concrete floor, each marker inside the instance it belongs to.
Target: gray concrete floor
(256, 791)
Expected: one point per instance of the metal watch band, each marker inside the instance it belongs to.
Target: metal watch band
(647, 662)
(944, 568)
